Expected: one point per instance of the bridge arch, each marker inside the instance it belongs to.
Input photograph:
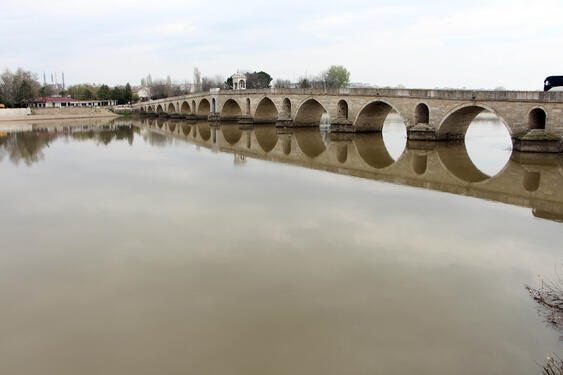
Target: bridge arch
(372, 116)
(171, 108)
(142, 109)
(266, 111)
(310, 112)
(159, 109)
(421, 114)
(286, 108)
(455, 123)
(342, 109)
(537, 118)
(185, 108)
(204, 108)
(231, 110)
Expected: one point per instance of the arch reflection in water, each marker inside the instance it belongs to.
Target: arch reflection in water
(372, 150)
(394, 135)
(204, 130)
(525, 180)
(186, 129)
(342, 152)
(231, 132)
(310, 141)
(488, 143)
(420, 163)
(267, 137)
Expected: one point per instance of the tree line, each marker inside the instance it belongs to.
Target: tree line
(19, 88)
(84, 91)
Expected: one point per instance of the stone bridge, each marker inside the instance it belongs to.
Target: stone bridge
(528, 180)
(534, 119)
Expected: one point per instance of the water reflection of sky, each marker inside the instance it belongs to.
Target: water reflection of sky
(135, 258)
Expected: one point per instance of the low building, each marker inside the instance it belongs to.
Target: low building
(239, 81)
(144, 93)
(58, 102)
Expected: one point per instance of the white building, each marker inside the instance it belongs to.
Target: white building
(143, 92)
(58, 102)
(239, 81)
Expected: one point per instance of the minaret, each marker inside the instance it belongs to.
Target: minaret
(63, 73)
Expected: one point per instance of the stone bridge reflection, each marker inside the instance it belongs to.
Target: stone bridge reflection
(527, 180)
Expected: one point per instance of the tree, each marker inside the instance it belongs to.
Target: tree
(197, 80)
(17, 88)
(208, 83)
(24, 94)
(258, 80)
(282, 83)
(104, 92)
(229, 83)
(304, 83)
(127, 94)
(337, 76)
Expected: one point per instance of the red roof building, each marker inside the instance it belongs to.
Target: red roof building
(59, 101)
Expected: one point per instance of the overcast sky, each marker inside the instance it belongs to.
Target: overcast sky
(435, 43)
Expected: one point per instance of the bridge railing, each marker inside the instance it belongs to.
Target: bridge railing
(478, 95)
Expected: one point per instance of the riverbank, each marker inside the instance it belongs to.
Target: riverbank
(50, 114)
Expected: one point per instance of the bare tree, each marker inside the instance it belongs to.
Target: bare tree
(282, 83)
(197, 80)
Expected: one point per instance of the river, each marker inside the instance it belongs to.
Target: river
(173, 247)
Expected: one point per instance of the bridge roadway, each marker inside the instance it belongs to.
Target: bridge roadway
(534, 119)
(528, 179)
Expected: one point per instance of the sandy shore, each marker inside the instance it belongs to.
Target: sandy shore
(33, 118)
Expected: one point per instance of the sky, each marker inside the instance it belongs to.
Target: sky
(472, 44)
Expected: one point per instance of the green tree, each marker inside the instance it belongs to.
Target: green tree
(88, 93)
(104, 92)
(229, 83)
(118, 94)
(14, 91)
(258, 80)
(304, 83)
(24, 94)
(337, 76)
(128, 93)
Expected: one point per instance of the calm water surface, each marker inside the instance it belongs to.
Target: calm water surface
(167, 247)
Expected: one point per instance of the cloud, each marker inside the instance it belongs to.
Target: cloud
(500, 43)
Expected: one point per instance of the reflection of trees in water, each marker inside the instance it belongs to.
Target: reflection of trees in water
(106, 136)
(156, 139)
(28, 146)
(24, 146)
